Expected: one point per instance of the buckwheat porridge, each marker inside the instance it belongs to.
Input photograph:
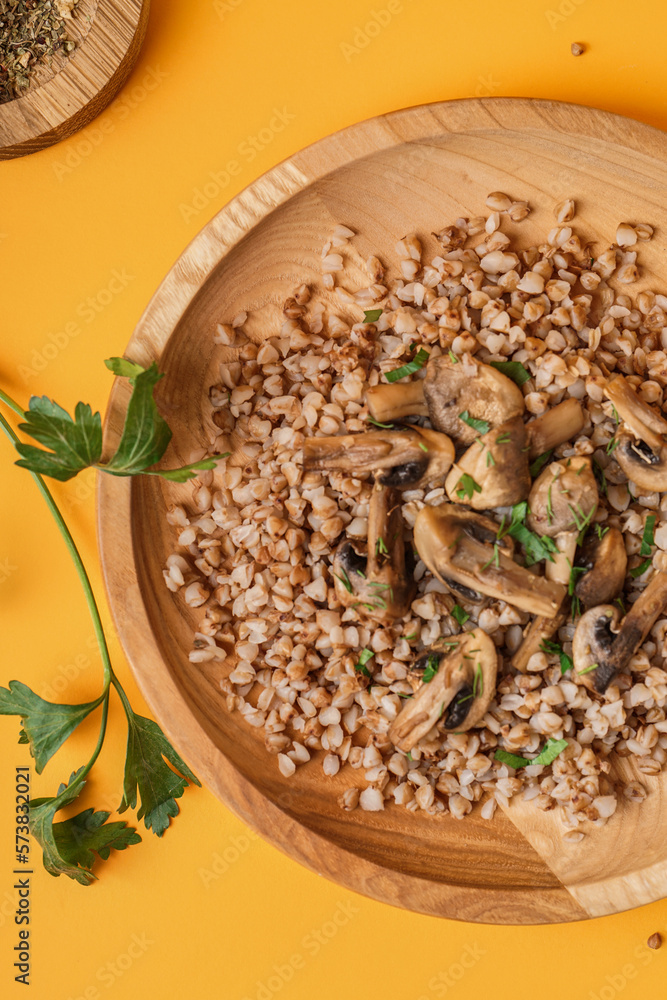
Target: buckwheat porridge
(439, 563)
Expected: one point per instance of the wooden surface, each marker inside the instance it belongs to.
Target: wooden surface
(72, 90)
(414, 170)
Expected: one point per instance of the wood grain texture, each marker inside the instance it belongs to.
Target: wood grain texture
(71, 91)
(414, 170)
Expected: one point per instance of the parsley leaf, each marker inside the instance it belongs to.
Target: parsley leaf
(550, 751)
(77, 838)
(540, 462)
(146, 769)
(483, 426)
(364, 656)
(467, 486)
(648, 536)
(46, 725)
(42, 812)
(418, 362)
(432, 667)
(537, 547)
(513, 370)
(372, 315)
(75, 443)
(459, 614)
(553, 647)
(639, 570)
(511, 759)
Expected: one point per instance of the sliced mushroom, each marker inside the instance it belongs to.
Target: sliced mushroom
(405, 458)
(458, 695)
(488, 395)
(452, 552)
(562, 503)
(497, 464)
(602, 647)
(641, 448)
(447, 391)
(390, 402)
(378, 583)
(559, 424)
(539, 631)
(606, 560)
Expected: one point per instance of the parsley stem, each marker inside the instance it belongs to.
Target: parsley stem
(71, 545)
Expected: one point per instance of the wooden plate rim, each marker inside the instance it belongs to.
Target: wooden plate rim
(20, 138)
(115, 499)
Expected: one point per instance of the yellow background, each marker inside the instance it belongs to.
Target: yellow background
(211, 75)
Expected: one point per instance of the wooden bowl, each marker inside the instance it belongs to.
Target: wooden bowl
(71, 91)
(413, 170)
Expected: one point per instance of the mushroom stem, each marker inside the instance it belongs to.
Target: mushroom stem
(556, 426)
(497, 464)
(539, 630)
(561, 568)
(636, 625)
(405, 458)
(387, 403)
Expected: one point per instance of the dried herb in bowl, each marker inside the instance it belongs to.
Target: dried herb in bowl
(31, 32)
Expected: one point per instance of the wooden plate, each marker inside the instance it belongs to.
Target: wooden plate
(414, 170)
(73, 90)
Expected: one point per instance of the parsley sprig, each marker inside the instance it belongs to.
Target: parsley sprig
(76, 443)
(646, 548)
(467, 486)
(549, 647)
(72, 846)
(537, 547)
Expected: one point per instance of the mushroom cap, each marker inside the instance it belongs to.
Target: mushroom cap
(498, 463)
(404, 458)
(639, 418)
(450, 390)
(642, 465)
(466, 672)
(608, 562)
(593, 642)
(448, 546)
(563, 496)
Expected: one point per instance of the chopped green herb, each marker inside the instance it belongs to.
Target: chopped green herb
(587, 670)
(504, 439)
(478, 682)
(619, 601)
(648, 536)
(442, 710)
(540, 462)
(423, 446)
(459, 614)
(376, 423)
(575, 573)
(641, 569)
(550, 751)
(552, 647)
(611, 445)
(511, 759)
(600, 531)
(575, 607)
(417, 363)
(490, 460)
(598, 472)
(411, 637)
(401, 694)
(537, 547)
(513, 370)
(467, 486)
(452, 357)
(454, 645)
(372, 315)
(483, 426)
(615, 412)
(364, 656)
(432, 665)
(381, 548)
(345, 580)
(550, 510)
(495, 558)
(409, 756)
